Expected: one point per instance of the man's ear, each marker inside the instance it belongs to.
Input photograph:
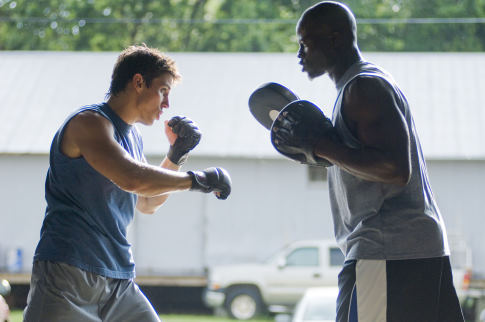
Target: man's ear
(341, 40)
(138, 82)
(337, 39)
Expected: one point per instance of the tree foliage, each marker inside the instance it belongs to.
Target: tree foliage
(230, 25)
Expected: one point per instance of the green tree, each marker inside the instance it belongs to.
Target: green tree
(231, 25)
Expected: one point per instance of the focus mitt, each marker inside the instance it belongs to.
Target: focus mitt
(268, 100)
(297, 129)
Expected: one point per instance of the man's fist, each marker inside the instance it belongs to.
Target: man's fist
(212, 180)
(188, 136)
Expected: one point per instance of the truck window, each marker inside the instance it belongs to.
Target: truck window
(336, 256)
(305, 256)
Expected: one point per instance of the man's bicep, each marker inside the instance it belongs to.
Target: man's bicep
(378, 121)
(387, 130)
(95, 141)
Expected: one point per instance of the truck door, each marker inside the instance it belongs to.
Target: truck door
(298, 270)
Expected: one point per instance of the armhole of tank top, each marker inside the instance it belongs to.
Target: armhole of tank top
(60, 133)
(139, 139)
(396, 92)
(340, 116)
(401, 101)
(388, 81)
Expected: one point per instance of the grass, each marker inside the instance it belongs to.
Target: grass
(202, 318)
(16, 316)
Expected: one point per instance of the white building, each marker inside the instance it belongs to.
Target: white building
(274, 200)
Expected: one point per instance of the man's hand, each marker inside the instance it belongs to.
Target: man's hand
(187, 137)
(298, 128)
(212, 180)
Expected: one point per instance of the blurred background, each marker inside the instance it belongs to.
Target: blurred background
(233, 26)
(57, 55)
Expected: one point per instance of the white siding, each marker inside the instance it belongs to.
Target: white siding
(38, 89)
(272, 204)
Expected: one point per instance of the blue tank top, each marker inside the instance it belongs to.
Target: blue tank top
(87, 215)
(374, 220)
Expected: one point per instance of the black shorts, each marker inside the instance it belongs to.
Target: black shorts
(415, 290)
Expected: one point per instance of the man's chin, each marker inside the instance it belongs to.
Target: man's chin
(147, 123)
(312, 75)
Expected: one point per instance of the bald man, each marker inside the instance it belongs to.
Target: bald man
(386, 219)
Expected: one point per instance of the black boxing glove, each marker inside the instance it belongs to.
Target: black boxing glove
(212, 180)
(188, 136)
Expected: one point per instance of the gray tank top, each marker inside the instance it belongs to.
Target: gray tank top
(377, 220)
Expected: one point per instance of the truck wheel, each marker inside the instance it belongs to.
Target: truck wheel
(243, 302)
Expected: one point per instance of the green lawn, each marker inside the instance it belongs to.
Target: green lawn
(16, 316)
(202, 318)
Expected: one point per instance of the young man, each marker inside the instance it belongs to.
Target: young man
(83, 267)
(385, 216)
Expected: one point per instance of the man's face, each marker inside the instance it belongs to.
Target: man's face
(315, 52)
(154, 99)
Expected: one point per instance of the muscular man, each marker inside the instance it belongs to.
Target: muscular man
(83, 267)
(386, 220)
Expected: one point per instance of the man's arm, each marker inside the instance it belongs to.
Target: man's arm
(183, 135)
(372, 115)
(148, 205)
(90, 135)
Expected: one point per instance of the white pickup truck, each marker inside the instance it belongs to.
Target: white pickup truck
(246, 290)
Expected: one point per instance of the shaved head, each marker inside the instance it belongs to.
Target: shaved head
(329, 17)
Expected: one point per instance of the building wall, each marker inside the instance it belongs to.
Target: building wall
(458, 188)
(23, 204)
(272, 204)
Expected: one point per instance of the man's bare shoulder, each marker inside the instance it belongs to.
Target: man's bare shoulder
(89, 119)
(367, 87)
(82, 128)
(367, 94)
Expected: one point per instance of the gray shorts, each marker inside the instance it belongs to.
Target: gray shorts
(61, 292)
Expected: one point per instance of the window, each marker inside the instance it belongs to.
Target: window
(336, 256)
(307, 256)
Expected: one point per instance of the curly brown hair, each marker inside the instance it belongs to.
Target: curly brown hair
(140, 59)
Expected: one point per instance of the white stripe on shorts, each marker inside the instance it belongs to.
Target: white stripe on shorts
(371, 283)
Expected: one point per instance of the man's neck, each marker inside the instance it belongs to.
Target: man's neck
(344, 62)
(121, 105)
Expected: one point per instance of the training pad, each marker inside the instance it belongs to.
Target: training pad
(268, 100)
(315, 124)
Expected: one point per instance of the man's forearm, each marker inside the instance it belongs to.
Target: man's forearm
(149, 205)
(366, 163)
